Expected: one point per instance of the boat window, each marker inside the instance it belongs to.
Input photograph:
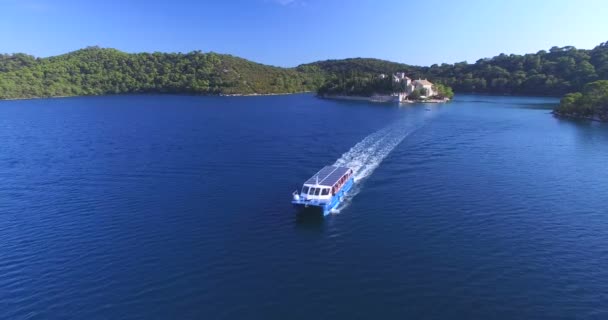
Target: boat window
(305, 190)
(317, 191)
(325, 192)
(312, 191)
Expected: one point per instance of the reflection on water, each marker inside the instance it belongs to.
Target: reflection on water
(309, 219)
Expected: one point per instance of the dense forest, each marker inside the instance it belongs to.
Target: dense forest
(361, 84)
(592, 102)
(356, 84)
(94, 71)
(554, 72)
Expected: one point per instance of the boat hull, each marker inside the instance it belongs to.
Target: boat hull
(328, 206)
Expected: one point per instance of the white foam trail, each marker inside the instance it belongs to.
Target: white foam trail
(367, 155)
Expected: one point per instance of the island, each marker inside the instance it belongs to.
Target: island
(382, 88)
(591, 103)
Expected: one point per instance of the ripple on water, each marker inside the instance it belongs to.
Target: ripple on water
(474, 210)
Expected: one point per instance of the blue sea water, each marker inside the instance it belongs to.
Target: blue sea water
(177, 207)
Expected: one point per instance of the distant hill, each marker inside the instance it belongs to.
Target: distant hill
(554, 72)
(95, 71)
(359, 65)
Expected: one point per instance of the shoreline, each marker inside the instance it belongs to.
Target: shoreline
(162, 94)
(446, 100)
(381, 99)
(577, 117)
(256, 94)
(357, 98)
(36, 98)
(353, 98)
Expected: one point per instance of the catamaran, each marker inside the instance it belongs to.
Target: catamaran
(324, 190)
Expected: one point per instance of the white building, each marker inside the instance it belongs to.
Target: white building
(401, 77)
(424, 84)
(404, 86)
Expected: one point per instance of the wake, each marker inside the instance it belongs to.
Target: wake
(365, 157)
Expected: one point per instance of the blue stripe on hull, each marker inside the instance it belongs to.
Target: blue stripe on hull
(335, 200)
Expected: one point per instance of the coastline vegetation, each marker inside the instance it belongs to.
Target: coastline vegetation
(357, 84)
(554, 72)
(367, 85)
(591, 103)
(443, 91)
(96, 71)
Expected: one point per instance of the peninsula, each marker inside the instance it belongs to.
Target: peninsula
(382, 88)
(591, 103)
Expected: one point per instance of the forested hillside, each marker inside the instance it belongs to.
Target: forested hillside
(94, 71)
(554, 72)
(592, 102)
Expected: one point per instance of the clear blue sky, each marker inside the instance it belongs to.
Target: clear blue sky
(290, 32)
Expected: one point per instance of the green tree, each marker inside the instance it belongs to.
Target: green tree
(443, 91)
(415, 95)
(592, 102)
(95, 70)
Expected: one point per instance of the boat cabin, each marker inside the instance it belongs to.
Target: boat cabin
(325, 184)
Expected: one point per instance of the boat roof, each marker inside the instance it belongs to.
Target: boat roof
(328, 176)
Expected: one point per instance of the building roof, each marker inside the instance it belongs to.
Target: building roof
(423, 82)
(328, 176)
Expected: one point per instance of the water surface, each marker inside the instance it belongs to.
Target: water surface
(158, 207)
